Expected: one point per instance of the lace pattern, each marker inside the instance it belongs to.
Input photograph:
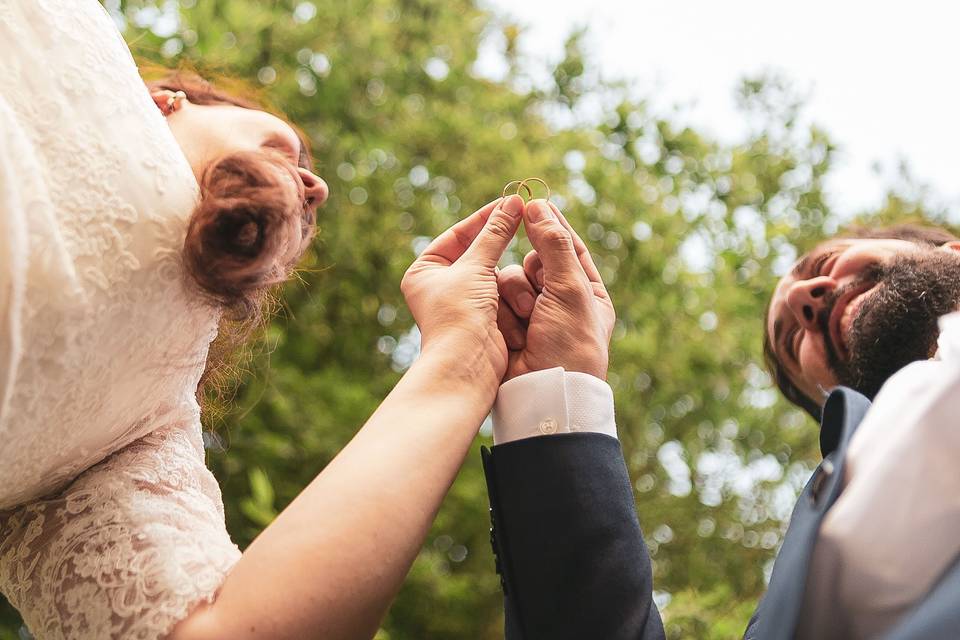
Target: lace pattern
(126, 550)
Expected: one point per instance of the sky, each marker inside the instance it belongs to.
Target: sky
(880, 75)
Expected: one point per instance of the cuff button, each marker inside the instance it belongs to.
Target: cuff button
(548, 426)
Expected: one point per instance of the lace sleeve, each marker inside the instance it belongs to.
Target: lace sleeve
(126, 550)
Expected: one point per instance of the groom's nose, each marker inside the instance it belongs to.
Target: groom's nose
(806, 298)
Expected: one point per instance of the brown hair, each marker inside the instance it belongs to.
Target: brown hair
(920, 234)
(250, 228)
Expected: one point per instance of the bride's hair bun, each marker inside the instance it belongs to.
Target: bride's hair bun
(249, 229)
(252, 223)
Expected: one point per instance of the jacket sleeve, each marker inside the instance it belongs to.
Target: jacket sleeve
(567, 542)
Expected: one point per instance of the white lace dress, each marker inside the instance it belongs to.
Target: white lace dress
(111, 526)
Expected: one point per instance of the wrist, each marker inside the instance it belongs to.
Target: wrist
(472, 363)
(592, 365)
(593, 362)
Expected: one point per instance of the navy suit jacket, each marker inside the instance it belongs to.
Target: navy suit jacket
(573, 563)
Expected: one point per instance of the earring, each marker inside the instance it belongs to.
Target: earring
(173, 102)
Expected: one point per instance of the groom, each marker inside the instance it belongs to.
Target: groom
(565, 534)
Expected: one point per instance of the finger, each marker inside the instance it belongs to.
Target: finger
(516, 290)
(512, 328)
(452, 243)
(513, 367)
(583, 254)
(553, 243)
(533, 269)
(497, 233)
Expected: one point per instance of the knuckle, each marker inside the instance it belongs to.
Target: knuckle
(601, 294)
(509, 274)
(499, 226)
(512, 287)
(570, 290)
(406, 284)
(557, 237)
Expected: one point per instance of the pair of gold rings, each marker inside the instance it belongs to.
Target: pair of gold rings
(522, 184)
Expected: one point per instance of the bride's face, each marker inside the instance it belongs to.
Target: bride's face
(207, 132)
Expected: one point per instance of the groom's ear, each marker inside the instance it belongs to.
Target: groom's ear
(953, 245)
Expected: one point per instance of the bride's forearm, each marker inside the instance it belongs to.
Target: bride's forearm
(330, 564)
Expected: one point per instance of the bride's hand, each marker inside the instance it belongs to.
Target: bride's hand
(451, 290)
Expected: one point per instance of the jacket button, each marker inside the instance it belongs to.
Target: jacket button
(822, 474)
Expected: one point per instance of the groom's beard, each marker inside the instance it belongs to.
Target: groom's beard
(897, 322)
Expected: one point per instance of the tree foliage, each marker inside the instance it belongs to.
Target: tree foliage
(689, 234)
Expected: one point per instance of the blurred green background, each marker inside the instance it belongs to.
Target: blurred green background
(689, 234)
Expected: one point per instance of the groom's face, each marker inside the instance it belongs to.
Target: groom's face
(852, 312)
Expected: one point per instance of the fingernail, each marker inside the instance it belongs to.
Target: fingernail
(525, 302)
(539, 277)
(539, 210)
(512, 205)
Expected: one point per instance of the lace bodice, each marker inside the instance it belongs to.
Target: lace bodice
(102, 340)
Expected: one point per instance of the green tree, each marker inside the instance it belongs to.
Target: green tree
(689, 234)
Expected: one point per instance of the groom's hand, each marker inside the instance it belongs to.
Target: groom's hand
(558, 312)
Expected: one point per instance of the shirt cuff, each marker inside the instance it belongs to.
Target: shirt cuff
(552, 401)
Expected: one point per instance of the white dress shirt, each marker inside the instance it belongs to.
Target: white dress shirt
(896, 526)
(552, 401)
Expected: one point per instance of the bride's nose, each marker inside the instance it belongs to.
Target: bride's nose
(316, 189)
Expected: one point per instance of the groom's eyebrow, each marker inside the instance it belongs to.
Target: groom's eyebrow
(803, 267)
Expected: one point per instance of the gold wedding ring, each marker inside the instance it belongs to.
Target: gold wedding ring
(522, 184)
(541, 181)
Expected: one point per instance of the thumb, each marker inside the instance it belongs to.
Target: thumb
(553, 243)
(497, 233)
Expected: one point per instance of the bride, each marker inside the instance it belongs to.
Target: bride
(131, 220)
